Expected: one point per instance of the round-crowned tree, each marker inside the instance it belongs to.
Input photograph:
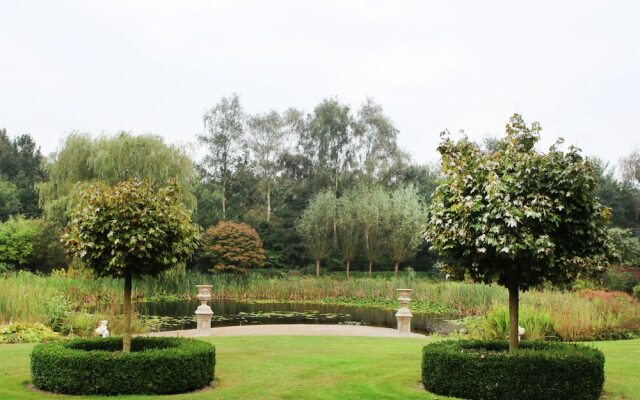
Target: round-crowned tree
(233, 247)
(516, 216)
(130, 230)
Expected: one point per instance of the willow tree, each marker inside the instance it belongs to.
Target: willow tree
(84, 160)
(373, 221)
(406, 219)
(517, 216)
(348, 230)
(130, 230)
(315, 226)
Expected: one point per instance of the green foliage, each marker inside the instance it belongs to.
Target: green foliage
(131, 228)
(57, 309)
(84, 160)
(30, 244)
(9, 200)
(636, 292)
(224, 136)
(17, 237)
(622, 278)
(327, 141)
(626, 246)
(21, 165)
(515, 215)
(631, 168)
(315, 226)
(230, 246)
(348, 230)
(373, 212)
(537, 325)
(26, 333)
(406, 219)
(539, 370)
(622, 197)
(94, 366)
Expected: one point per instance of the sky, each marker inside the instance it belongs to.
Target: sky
(156, 66)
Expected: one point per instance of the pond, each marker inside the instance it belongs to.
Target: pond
(163, 316)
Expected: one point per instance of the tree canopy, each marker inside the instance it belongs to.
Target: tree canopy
(517, 216)
(21, 165)
(129, 230)
(232, 246)
(84, 160)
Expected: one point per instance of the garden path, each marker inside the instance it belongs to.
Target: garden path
(293, 330)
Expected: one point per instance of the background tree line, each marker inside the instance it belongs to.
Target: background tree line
(262, 169)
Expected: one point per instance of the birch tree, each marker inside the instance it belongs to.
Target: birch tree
(269, 137)
(224, 132)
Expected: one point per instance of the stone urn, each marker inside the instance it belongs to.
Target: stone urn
(404, 314)
(204, 312)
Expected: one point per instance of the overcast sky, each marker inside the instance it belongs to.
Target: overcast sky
(156, 66)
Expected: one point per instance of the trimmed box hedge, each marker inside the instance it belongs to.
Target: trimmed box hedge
(474, 369)
(155, 365)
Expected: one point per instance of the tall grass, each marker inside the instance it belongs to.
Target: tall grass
(585, 315)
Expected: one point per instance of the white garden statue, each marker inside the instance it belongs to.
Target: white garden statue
(102, 329)
(521, 332)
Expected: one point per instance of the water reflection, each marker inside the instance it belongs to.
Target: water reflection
(180, 315)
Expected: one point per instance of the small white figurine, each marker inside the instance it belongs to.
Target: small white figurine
(102, 329)
(521, 332)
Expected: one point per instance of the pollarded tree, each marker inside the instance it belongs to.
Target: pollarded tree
(130, 230)
(517, 216)
(231, 246)
(373, 220)
(315, 226)
(405, 225)
(348, 230)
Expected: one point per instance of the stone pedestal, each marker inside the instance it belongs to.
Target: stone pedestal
(204, 312)
(404, 314)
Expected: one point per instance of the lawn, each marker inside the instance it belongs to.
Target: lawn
(294, 367)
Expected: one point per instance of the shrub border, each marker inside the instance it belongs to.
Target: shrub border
(476, 369)
(156, 365)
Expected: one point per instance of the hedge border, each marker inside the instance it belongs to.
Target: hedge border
(156, 365)
(475, 369)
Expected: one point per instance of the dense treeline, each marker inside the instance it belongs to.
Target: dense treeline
(264, 170)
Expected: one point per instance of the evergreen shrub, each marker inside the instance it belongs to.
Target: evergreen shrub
(474, 369)
(98, 366)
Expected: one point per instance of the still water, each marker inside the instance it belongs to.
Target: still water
(163, 316)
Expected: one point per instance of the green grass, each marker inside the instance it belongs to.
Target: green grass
(294, 367)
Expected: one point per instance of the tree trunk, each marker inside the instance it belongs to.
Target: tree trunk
(224, 199)
(348, 262)
(317, 267)
(126, 338)
(513, 318)
(397, 267)
(268, 204)
(370, 268)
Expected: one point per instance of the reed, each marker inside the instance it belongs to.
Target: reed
(584, 315)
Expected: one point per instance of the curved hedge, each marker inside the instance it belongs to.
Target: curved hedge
(538, 370)
(155, 365)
